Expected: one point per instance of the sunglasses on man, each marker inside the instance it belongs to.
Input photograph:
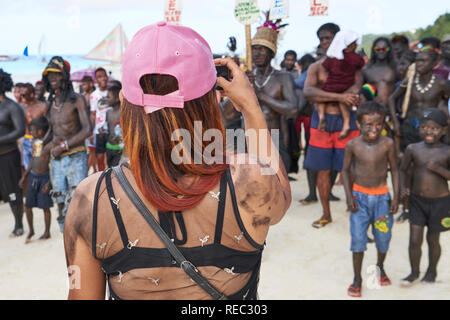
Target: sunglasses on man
(385, 49)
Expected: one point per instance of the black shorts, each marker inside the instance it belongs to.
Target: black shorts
(35, 198)
(10, 174)
(100, 143)
(431, 212)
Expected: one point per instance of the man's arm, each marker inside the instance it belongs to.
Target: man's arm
(348, 159)
(400, 91)
(316, 95)
(18, 120)
(394, 176)
(302, 102)
(356, 87)
(287, 107)
(407, 160)
(85, 131)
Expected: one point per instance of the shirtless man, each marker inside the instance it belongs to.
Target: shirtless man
(380, 70)
(33, 109)
(445, 49)
(88, 87)
(17, 92)
(290, 58)
(427, 92)
(39, 91)
(70, 125)
(12, 127)
(325, 153)
(400, 44)
(276, 95)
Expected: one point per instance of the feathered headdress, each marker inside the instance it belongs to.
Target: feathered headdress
(267, 34)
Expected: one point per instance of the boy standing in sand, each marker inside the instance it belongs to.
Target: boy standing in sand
(37, 195)
(429, 197)
(366, 160)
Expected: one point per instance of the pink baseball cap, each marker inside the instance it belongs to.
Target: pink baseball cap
(167, 49)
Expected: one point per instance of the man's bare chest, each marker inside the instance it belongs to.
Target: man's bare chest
(5, 117)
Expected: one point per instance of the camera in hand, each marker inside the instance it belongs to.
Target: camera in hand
(222, 71)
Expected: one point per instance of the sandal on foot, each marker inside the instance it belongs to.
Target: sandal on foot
(307, 201)
(320, 223)
(408, 283)
(354, 292)
(334, 198)
(16, 233)
(384, 281)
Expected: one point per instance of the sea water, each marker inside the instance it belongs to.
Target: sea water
(29, 69)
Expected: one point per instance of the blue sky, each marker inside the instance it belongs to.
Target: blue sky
(76, 26)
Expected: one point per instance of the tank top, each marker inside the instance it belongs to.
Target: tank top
(132, 257)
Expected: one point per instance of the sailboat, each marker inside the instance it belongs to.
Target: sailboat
(111, 48)
(41, 53)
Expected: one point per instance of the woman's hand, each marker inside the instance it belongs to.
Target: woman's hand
(239, 89)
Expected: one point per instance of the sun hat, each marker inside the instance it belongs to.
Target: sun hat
(167, 49)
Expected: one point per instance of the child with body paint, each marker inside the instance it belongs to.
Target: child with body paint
(39, 185)
(364, 174)
(429, 197)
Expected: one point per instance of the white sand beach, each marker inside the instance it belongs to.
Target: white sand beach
(299, 262)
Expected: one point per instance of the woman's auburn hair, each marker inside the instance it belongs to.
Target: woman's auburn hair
(148, 142)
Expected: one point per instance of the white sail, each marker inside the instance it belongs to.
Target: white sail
(111, 48)
(41, 50)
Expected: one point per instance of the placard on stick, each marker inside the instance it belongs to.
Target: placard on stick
(247, 12)
(279, 9)
(172, 11)
(319, 7)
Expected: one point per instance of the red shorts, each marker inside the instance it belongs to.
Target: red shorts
(326, 150)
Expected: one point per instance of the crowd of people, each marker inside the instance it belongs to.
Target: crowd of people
(57, 137)
(366, 118)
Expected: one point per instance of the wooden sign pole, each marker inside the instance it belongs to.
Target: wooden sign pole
(248, 38)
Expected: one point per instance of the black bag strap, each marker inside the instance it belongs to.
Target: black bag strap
(184, 264)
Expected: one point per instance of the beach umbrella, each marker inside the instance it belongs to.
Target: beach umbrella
(77, 76)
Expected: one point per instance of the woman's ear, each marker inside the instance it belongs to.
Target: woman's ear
(121, 97)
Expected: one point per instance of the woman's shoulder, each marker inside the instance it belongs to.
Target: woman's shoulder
(257, 185)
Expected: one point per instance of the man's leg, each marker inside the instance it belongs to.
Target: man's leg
(47, 219)
(323, 185)
(17, 210)
(357, 265)
(333, 176)
(77, 166)
(29, 212)
(59, 187)
(434, 253)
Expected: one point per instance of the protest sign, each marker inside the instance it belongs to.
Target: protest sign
(173, 11)
(319, 7)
